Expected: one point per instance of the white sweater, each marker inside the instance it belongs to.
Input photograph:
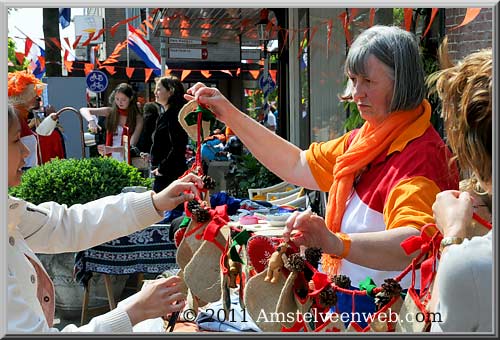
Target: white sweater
(53, 228)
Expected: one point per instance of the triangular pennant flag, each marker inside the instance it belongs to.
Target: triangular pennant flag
(41, 59)
(110, 69)
(114, 28)
(88, 68)
(101, 32)
(254, 73)
(129, 71)
(433, 15)
(20, 57)
(273, 75)
(56, 42)
(147, 74)
(408, 14)
(147, 23)
(167, 72)
(185, 73)
(76, 41)
(206, 73)
(68, 65)
(238, 71)
(66, 39)
(227, 71)
(329, 32)
(372, 16)
(470, 15)
(91, 36)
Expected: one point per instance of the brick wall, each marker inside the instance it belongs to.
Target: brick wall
(474, 36)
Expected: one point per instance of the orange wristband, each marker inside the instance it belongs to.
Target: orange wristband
(346, 241)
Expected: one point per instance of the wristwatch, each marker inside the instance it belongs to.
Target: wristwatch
(449, 240)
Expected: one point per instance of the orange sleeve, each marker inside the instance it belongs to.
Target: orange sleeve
(409, 204)
(321, 158)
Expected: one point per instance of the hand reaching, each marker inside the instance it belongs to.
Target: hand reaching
(175, 193)
(157, 298)
(453, 212)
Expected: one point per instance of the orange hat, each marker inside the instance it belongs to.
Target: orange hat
(23, 86)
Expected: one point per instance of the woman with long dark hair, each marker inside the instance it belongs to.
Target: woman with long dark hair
(169, 138)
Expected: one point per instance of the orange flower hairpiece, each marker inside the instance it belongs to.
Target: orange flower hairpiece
(19, 81)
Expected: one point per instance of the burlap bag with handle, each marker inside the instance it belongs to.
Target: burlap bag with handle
(261, 298)
(188, 121)
(189, 244)
(203, 273)
(289, 303)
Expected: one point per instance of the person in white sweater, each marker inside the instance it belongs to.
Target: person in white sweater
(464, 281)
(55, 228)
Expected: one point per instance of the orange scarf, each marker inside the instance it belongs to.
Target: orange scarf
(368, 144)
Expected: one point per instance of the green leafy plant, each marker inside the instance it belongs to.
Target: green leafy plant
(72, 181)
(247, 172)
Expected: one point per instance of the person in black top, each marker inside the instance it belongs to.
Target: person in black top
(168, 159)
(150, 114)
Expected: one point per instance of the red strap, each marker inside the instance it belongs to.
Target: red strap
(482, 221)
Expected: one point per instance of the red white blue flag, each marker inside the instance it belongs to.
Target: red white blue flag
(144, 50)
(36, 56)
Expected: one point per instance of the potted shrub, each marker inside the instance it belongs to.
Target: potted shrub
(72, 181)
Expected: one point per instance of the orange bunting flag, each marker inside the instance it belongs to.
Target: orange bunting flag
(69, 65)
(227, 72)
(433, 15)
(329, 27)
(206, 73)
(147, 23)
(345, 25)
(114, 28)
(184, 74)
(238, 71)
(273, 75)
(470, 15)
(254, 73)
(42, 62)
(129, 71)
(56, 42)
(110, 69)
(147, 74)
(372, 16)
(86, 42)
(77, 41)
(101, 32)
(20, 57)
(408, 13)
(66, 39)
(88, 68)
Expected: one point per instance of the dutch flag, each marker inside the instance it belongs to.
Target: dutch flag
(144, 50)
(36, 56)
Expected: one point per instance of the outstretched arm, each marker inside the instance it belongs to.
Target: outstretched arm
(280, 156)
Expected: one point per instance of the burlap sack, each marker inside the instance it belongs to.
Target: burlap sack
(332, 323)
(261, 298)
(192, 129)
(189, 244)
(286, 302)
(203, 273)
(410, 317)
(386, 319)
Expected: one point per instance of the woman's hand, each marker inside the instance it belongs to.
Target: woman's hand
(211, 98)
(308, 229)
(453, 212)
(157, 298)
(156, 172)
(174, 194)
(103, 151)
(94, 127)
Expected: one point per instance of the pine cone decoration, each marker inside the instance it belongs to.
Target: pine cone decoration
(342, 281)
(193, 205)
(208, 182)
(313, 255)
(391, 287)
(382, 298)
(328, 297)
(201, 215)
(295, 263)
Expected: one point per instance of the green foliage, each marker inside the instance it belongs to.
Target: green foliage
(11, 54)
(72, 181)
(354, 119)
(248, 173)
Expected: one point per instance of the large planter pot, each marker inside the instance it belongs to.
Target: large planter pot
(69, 293)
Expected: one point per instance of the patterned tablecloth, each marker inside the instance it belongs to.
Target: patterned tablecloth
(145, 251)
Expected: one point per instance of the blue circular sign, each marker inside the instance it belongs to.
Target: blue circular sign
(97, 81)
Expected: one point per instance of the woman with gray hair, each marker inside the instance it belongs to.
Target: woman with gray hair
(382, 179)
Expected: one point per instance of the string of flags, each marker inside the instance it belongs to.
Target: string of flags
(136, 41)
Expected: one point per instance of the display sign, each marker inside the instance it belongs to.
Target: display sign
(187, 53)
(97, 81)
